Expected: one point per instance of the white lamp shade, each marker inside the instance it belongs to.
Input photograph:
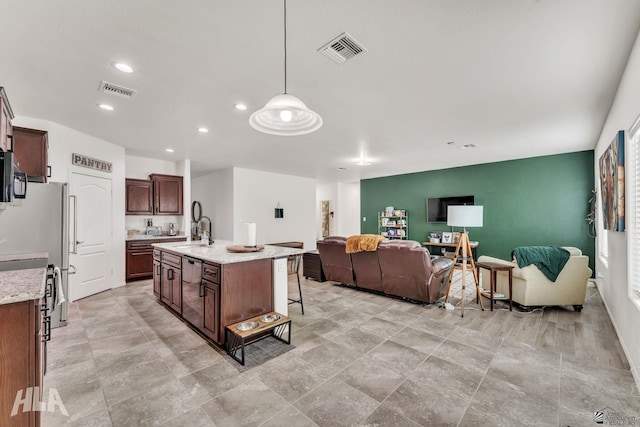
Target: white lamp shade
(464, 216)
(269, 119)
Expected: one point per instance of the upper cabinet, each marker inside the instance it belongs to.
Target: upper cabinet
(161, 195)
(139, 197)
(167, 194)
(31, 148)
(6, 115)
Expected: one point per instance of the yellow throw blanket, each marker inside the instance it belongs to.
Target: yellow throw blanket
(363, 242)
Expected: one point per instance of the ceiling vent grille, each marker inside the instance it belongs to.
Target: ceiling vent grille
(113, 89)
(342, 48)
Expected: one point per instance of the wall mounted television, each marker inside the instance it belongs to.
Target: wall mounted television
(437, 206)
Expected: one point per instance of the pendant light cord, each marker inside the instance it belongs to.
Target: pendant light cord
(285, 46)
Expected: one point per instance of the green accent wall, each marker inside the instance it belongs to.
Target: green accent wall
(527, 202)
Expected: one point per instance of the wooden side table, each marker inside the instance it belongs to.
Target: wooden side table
(242, 333)
(493, 271)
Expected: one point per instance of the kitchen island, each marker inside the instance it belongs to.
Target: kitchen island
(210, 287)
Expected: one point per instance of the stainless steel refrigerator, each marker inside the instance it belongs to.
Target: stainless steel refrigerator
(40, 223)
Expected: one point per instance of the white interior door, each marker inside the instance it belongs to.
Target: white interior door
(91, 236)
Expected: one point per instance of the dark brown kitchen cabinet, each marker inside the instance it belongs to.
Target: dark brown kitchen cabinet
(158, 195)
(139, 260)
(171, 281)
(22, 335)
(211, 324)
(31, 148)
(167, 194)
(157, 275)
(230, 292)
(139, 197)
(6, 115)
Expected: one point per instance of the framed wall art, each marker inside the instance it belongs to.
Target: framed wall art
(611, 173)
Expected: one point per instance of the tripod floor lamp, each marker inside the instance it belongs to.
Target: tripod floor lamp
(464, 216)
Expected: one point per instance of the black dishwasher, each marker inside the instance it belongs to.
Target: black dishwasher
(192, 306)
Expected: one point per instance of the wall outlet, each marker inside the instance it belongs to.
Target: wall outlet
(364, 219)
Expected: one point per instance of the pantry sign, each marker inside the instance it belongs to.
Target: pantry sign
(89, 162)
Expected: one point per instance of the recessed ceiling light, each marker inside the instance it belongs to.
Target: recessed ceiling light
(169, 150)
(240, 107)
(363, 160)
(450, 142)
(125, 68)
(465, 146)
(203, 130)
(106, 107)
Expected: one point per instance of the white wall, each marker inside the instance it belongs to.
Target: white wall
(184, 169)
(612, 281)
(140, 168)
(348, 209)
(326, 192)
(344, 201)
(63, 142)
(231, 197)
(215, 194)
(255, 196)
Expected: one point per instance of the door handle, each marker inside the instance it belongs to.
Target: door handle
(79, 242)
(170, 274)
(69, 271)
(200, 293)
(47, 329)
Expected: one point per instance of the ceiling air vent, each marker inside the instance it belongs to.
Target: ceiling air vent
(342, 48)
(113, 89)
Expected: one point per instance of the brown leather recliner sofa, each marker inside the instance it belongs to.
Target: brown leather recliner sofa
(401, 268)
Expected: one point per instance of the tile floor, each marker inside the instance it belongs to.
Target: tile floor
(357, 359)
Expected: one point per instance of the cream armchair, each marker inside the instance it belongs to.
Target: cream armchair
(532, 288)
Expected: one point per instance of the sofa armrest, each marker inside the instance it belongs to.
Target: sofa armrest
(441, 264)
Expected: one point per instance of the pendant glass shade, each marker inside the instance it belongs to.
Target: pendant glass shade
(285, 115)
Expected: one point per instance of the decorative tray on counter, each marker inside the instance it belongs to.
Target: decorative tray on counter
(241, 249)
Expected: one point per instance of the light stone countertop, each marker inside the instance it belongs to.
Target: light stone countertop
(150, 237)
(20, 257)
(25, 284)
(217, 252)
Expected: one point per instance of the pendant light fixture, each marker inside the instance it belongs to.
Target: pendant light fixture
(285, 114)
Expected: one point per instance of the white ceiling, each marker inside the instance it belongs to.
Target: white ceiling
(517, 78)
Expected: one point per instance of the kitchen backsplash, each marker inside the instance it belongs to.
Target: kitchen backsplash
(139, 223)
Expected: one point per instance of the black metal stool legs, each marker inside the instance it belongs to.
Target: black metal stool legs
(298, 301)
